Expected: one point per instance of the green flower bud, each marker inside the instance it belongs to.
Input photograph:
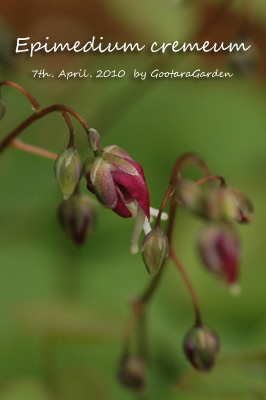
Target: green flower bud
(78, 217)
(201, 346)
(155, 249)
(2, 108)
(220, 204)
(132, 373)
(192, 197)
(68, 171)
(213, 203)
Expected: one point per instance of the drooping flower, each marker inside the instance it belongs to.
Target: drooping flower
(118, 182)
(220, 251)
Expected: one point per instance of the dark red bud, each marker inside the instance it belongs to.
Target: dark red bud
(132, 373)
(78, 216)
(201, 346)
(220, 251)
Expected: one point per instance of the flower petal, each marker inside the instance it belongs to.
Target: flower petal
(136, 187)
(113, 149)
(103, 185)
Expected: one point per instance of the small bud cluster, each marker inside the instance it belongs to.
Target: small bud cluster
(218, 243)
(112, 175)
(119, 184)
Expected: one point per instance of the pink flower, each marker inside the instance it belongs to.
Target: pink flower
(118, 182)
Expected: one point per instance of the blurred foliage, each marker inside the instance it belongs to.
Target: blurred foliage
(63, 309)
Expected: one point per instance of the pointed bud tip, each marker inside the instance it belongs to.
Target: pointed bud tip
(94, 139)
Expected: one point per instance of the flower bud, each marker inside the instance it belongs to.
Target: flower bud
(214, 203)
(132, 373)
(68, 171)
(244, 206)
(220, 251)
(155, 249)
(220, 204)
(2, 108)
(94, 139)
(192, 197)
(78, 216)
(201, 346)
(117, 180)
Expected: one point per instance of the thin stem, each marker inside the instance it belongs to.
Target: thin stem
(169, 192)
(178, 263)
(18, 144)
(190, 159)
(211, 178)
(36, 106)
(71, 130)
(139, 304)
(42, 113)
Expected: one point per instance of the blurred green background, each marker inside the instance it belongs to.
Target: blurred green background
(63, 309)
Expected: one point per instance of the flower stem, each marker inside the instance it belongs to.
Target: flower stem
(211, 178)
(40, 114)
(179, 265)
(18, 144)
(36, 107)
(139, 304)
(188, 160)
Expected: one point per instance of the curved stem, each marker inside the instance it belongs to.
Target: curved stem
(71, 130)
(140, 303)
(36, 106)
(42, 113)
(169, 192)
(211, 178)
(178, 263)
(18, 144)
(190, 159)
